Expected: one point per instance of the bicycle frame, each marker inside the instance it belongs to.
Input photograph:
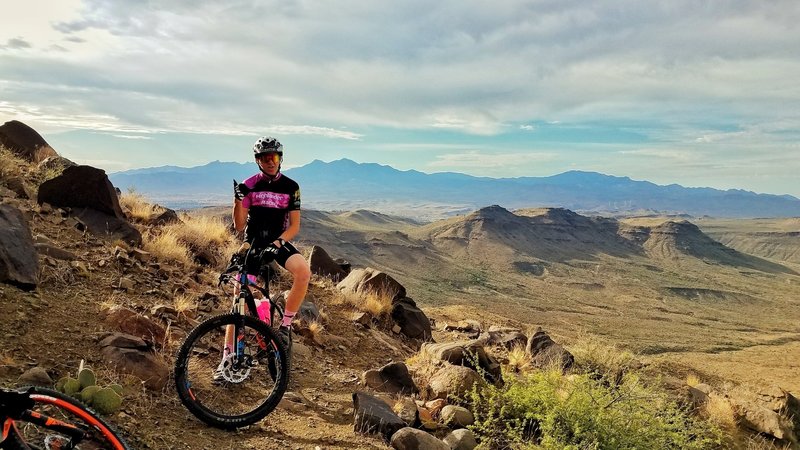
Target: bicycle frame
(16, 406)
(245, 285)
(244, 303)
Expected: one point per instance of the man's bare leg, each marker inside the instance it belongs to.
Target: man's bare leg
(301, 274)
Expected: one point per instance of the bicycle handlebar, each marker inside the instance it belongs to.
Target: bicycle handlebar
(239, 260)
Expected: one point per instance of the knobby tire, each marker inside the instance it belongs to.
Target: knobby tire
(190, 386)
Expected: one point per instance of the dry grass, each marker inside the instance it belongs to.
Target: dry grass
(7, 360)
(202, 231)
(49, 173)
(316, 329)
(10, 164)
(60, 275)
(692, 380)
(166, 246)
(375, 303)
(720, 412)
(518, 359)
(422, 366)
(137, 207)
(183, 303)
(763, 443)
(378, 304)
(42, 153)
(205, 235)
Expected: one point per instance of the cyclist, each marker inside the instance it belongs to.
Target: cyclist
(266, 210)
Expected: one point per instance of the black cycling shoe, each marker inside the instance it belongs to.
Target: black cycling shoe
(285, 335)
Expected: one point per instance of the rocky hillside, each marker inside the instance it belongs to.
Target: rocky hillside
(89, 276)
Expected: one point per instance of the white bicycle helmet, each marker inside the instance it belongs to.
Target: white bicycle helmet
(267, 144)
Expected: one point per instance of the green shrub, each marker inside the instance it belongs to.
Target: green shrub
(548, 410)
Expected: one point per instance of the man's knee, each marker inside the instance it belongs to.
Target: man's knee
(299, 268)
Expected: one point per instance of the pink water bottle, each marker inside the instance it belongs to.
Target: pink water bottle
(262, 307)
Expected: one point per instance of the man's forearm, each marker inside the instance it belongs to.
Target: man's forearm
(239, 216)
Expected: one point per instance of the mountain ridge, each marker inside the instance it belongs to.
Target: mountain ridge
(345, 185)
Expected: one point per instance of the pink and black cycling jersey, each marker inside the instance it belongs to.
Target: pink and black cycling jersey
(268, 205)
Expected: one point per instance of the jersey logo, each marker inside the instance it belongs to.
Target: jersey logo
(269, 200)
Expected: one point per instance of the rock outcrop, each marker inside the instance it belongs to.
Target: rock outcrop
(19, 261)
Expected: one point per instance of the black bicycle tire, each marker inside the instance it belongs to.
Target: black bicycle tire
(20, 442)
(208, 416)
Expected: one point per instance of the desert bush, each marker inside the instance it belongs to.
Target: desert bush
(518, 359)
(137, 207)
(206, 234)
(600, 359)
(166, 246)
(376, 303)
(196, 235)
(548, 410)
(9, 163)
(720, 412)
(422, 366)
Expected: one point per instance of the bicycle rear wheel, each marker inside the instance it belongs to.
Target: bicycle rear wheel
(53, 404)
(256, 376)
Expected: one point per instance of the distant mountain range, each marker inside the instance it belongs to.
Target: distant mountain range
(348, 185)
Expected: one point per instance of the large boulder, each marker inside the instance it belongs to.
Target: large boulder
(455, 416)
(19, 261)
(461, 439)
(82, 187)
(130, 322)
(768, 410)
(545, 353)
(412, 321)
(133, 355)
(374, 416)
(322, 264)
(454, 381)
(164, 216)
(465, 353)
(504, 337)
(108, 227)
(35, 376)
(412, 439)
(369, 280)
(393, 378)
(25, 141)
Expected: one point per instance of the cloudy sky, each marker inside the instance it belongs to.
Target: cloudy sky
(696, 93)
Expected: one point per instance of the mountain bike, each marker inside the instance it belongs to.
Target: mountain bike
(232, 369)
(37, 418)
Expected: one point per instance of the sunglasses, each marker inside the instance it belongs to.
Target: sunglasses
(266, 157)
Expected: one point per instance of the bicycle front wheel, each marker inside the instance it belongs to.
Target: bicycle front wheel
(236, 389)
(96, 433)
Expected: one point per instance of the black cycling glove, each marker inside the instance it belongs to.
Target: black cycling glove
(240, 190)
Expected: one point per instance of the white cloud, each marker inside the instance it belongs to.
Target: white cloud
(687, 76)
(475, 159)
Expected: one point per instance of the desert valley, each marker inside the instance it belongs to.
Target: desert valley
(713, 300)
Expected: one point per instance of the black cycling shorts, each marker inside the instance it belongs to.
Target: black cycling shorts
(261, 267)
(284, 253)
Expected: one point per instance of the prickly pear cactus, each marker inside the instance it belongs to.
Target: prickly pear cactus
(117, 388)
(59, 386)
(72, 387)
(87, 378)
(106, 401)
(88, 392)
